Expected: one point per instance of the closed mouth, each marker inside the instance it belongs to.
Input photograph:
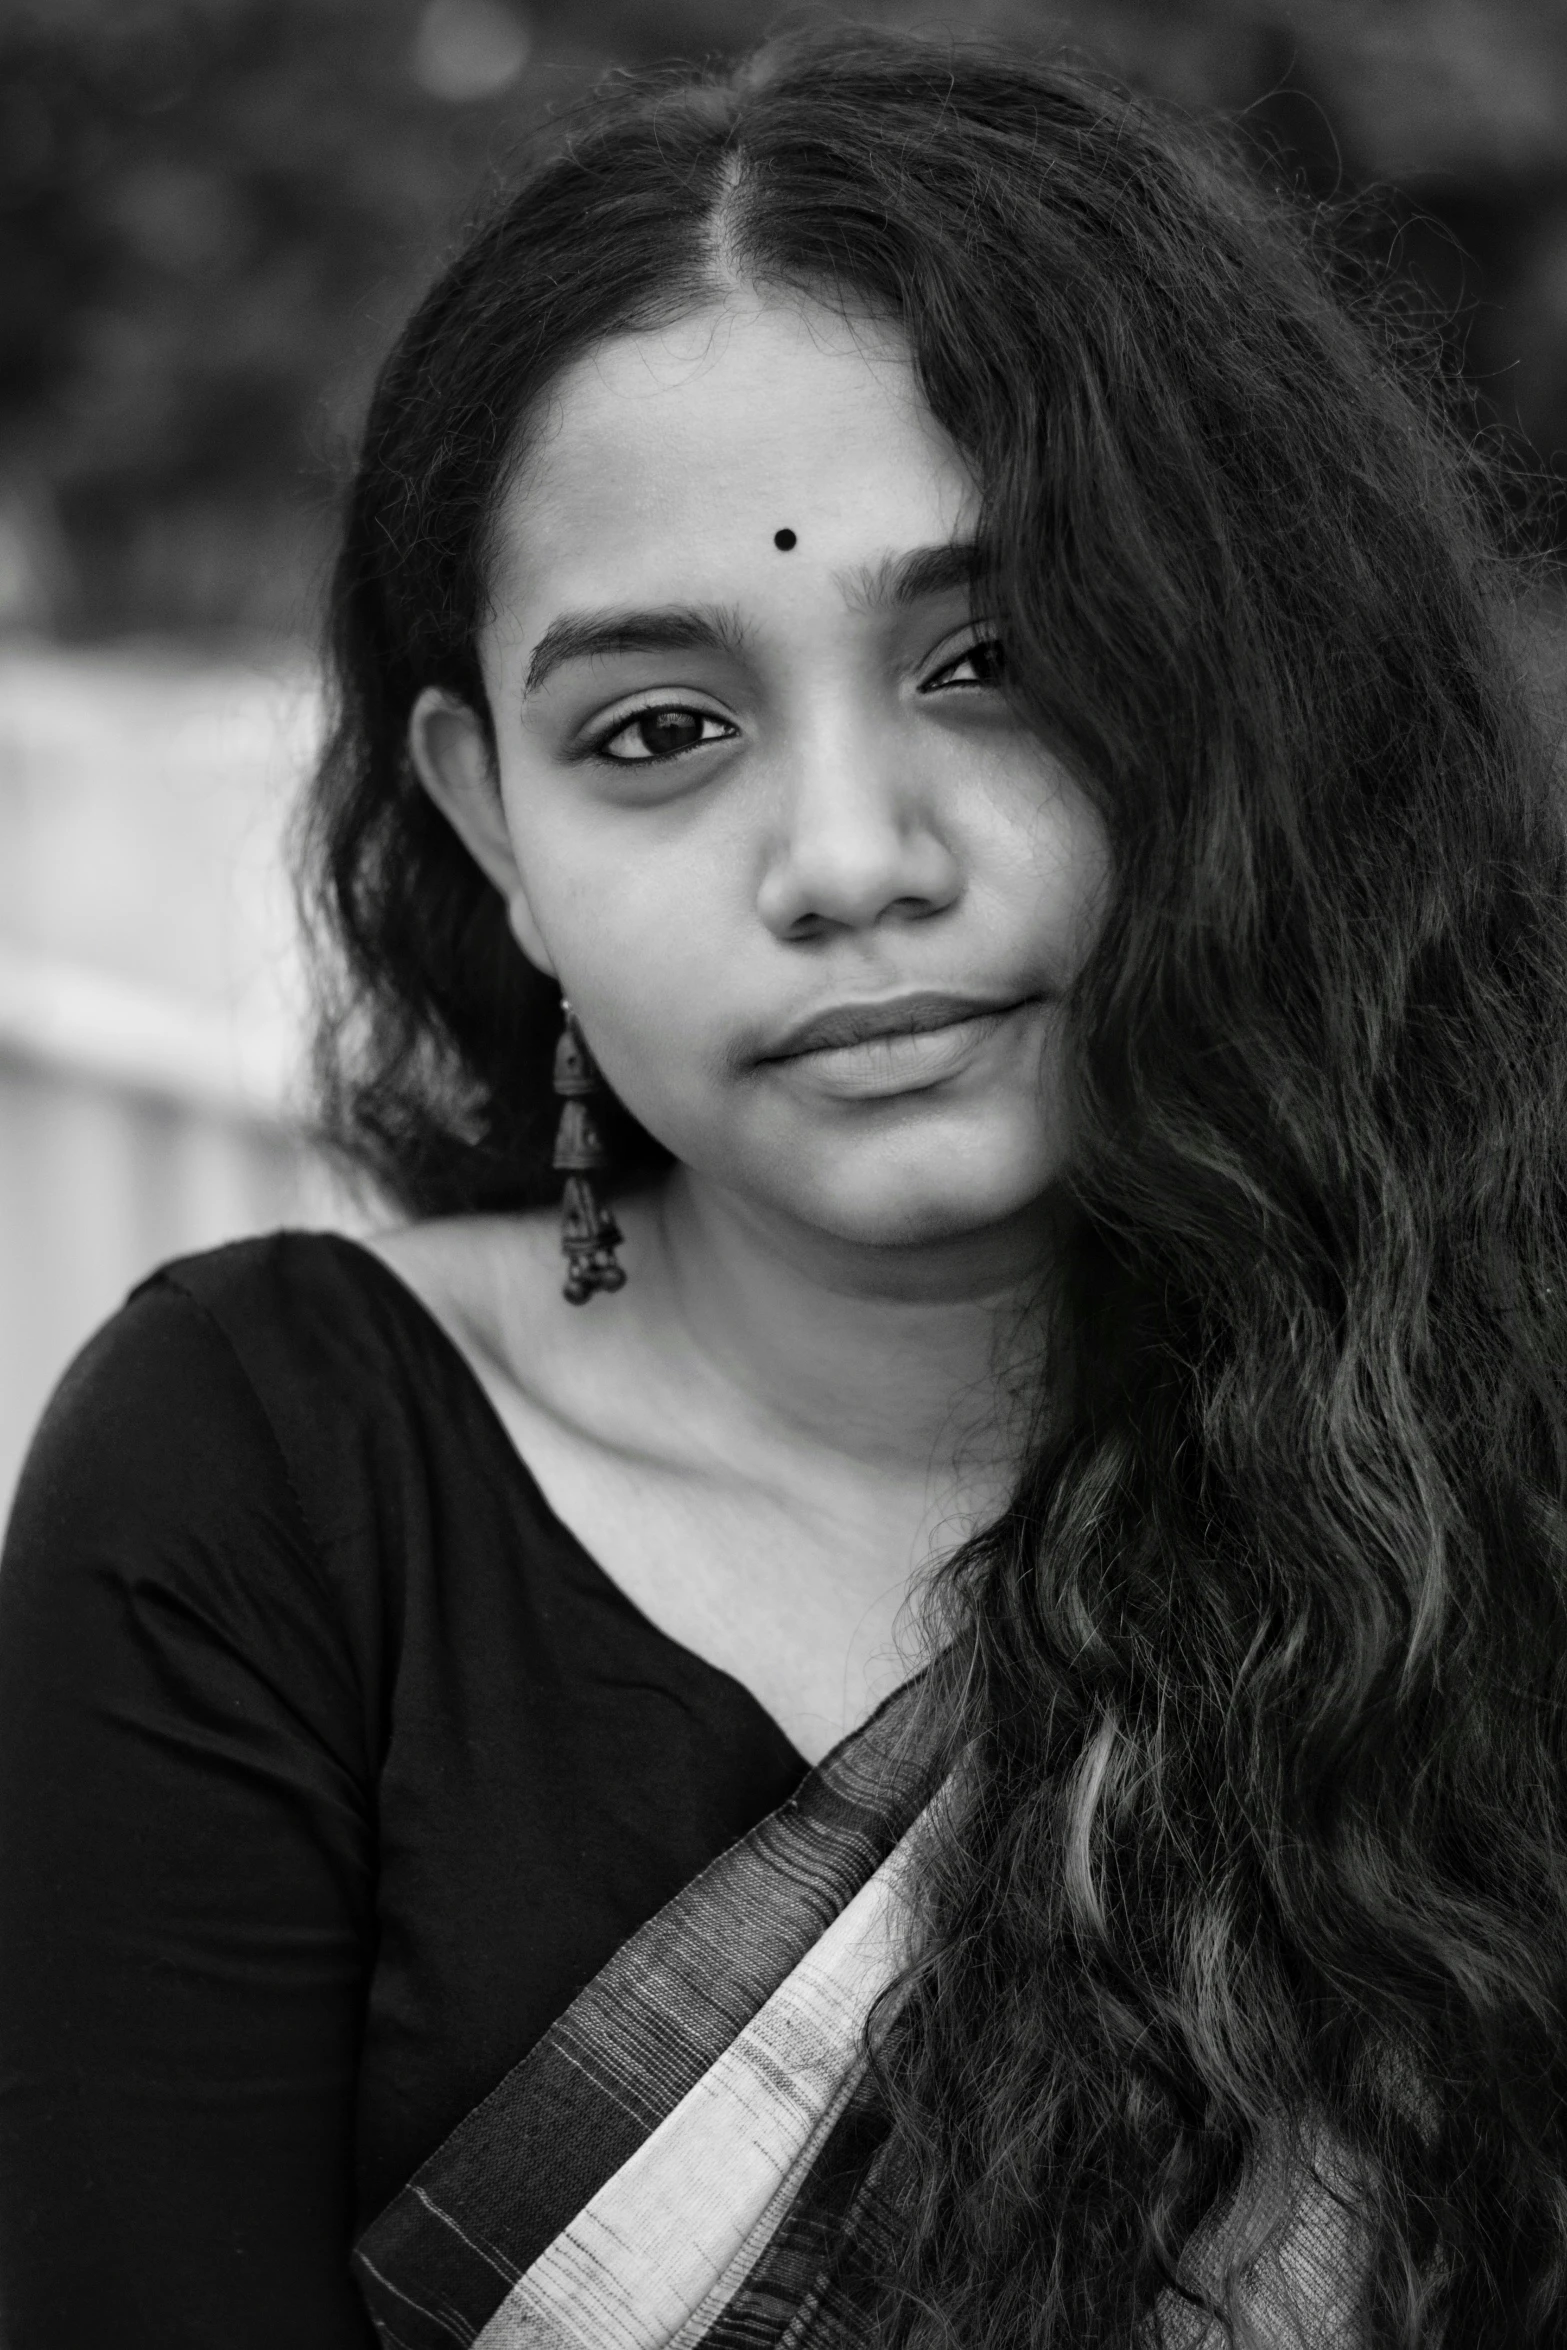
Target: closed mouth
(843, 1025)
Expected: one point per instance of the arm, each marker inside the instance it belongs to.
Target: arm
(185, 1872)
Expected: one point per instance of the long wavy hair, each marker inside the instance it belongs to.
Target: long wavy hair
(1258, 1683)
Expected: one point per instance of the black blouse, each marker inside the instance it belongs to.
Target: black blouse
(331, 1767)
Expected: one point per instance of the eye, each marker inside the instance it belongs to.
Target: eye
(661, 733)
(985, 661)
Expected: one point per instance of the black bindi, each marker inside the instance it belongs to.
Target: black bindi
(783, 540)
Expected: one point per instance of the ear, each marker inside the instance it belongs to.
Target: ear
(451, 757)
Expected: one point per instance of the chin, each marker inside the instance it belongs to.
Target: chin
(949, 1198)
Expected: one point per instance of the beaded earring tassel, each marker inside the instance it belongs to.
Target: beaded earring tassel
(589, 1234)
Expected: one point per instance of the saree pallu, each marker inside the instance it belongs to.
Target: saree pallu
(692, 2154)
(694, 2157)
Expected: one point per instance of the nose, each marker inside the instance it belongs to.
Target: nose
(856, 842)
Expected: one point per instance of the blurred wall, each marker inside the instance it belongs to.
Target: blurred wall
(151, 1000)
(212, 215)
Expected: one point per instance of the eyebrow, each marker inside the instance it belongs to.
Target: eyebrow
(900, 580)
(894, 583)
(671, 628)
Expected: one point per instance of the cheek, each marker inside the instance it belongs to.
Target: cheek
(642, 979)
(1090, 899)
(1063, 864)
(1033, 847)
(640, 934)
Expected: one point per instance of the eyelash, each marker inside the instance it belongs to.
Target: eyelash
(598, 748)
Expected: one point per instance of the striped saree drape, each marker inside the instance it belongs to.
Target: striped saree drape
(694, 2157)
(690, 2155)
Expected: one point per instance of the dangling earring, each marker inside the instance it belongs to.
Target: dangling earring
(589, 1234)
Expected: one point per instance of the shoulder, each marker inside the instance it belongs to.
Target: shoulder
(161, 1539)
(158, 1389)
(297, 1297)
(237, 1406)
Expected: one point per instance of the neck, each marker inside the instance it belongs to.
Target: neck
(902, 1359)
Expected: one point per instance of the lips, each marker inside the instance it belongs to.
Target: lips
(905, 1015)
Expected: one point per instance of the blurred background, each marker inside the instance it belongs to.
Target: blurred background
(213, 214)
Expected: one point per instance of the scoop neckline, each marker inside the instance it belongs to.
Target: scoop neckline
(430, 1325)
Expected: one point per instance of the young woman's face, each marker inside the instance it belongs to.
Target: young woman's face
(813, 892)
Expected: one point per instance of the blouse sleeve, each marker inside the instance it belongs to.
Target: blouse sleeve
(186, 1885)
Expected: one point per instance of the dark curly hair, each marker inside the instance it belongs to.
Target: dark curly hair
(1258, 1683)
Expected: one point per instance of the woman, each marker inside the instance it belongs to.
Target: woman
(927, 726)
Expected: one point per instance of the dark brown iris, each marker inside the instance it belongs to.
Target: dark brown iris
(663, 731)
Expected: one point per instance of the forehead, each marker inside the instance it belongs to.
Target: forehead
(663, 462)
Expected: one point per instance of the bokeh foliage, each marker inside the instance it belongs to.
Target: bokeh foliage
(212, 212)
